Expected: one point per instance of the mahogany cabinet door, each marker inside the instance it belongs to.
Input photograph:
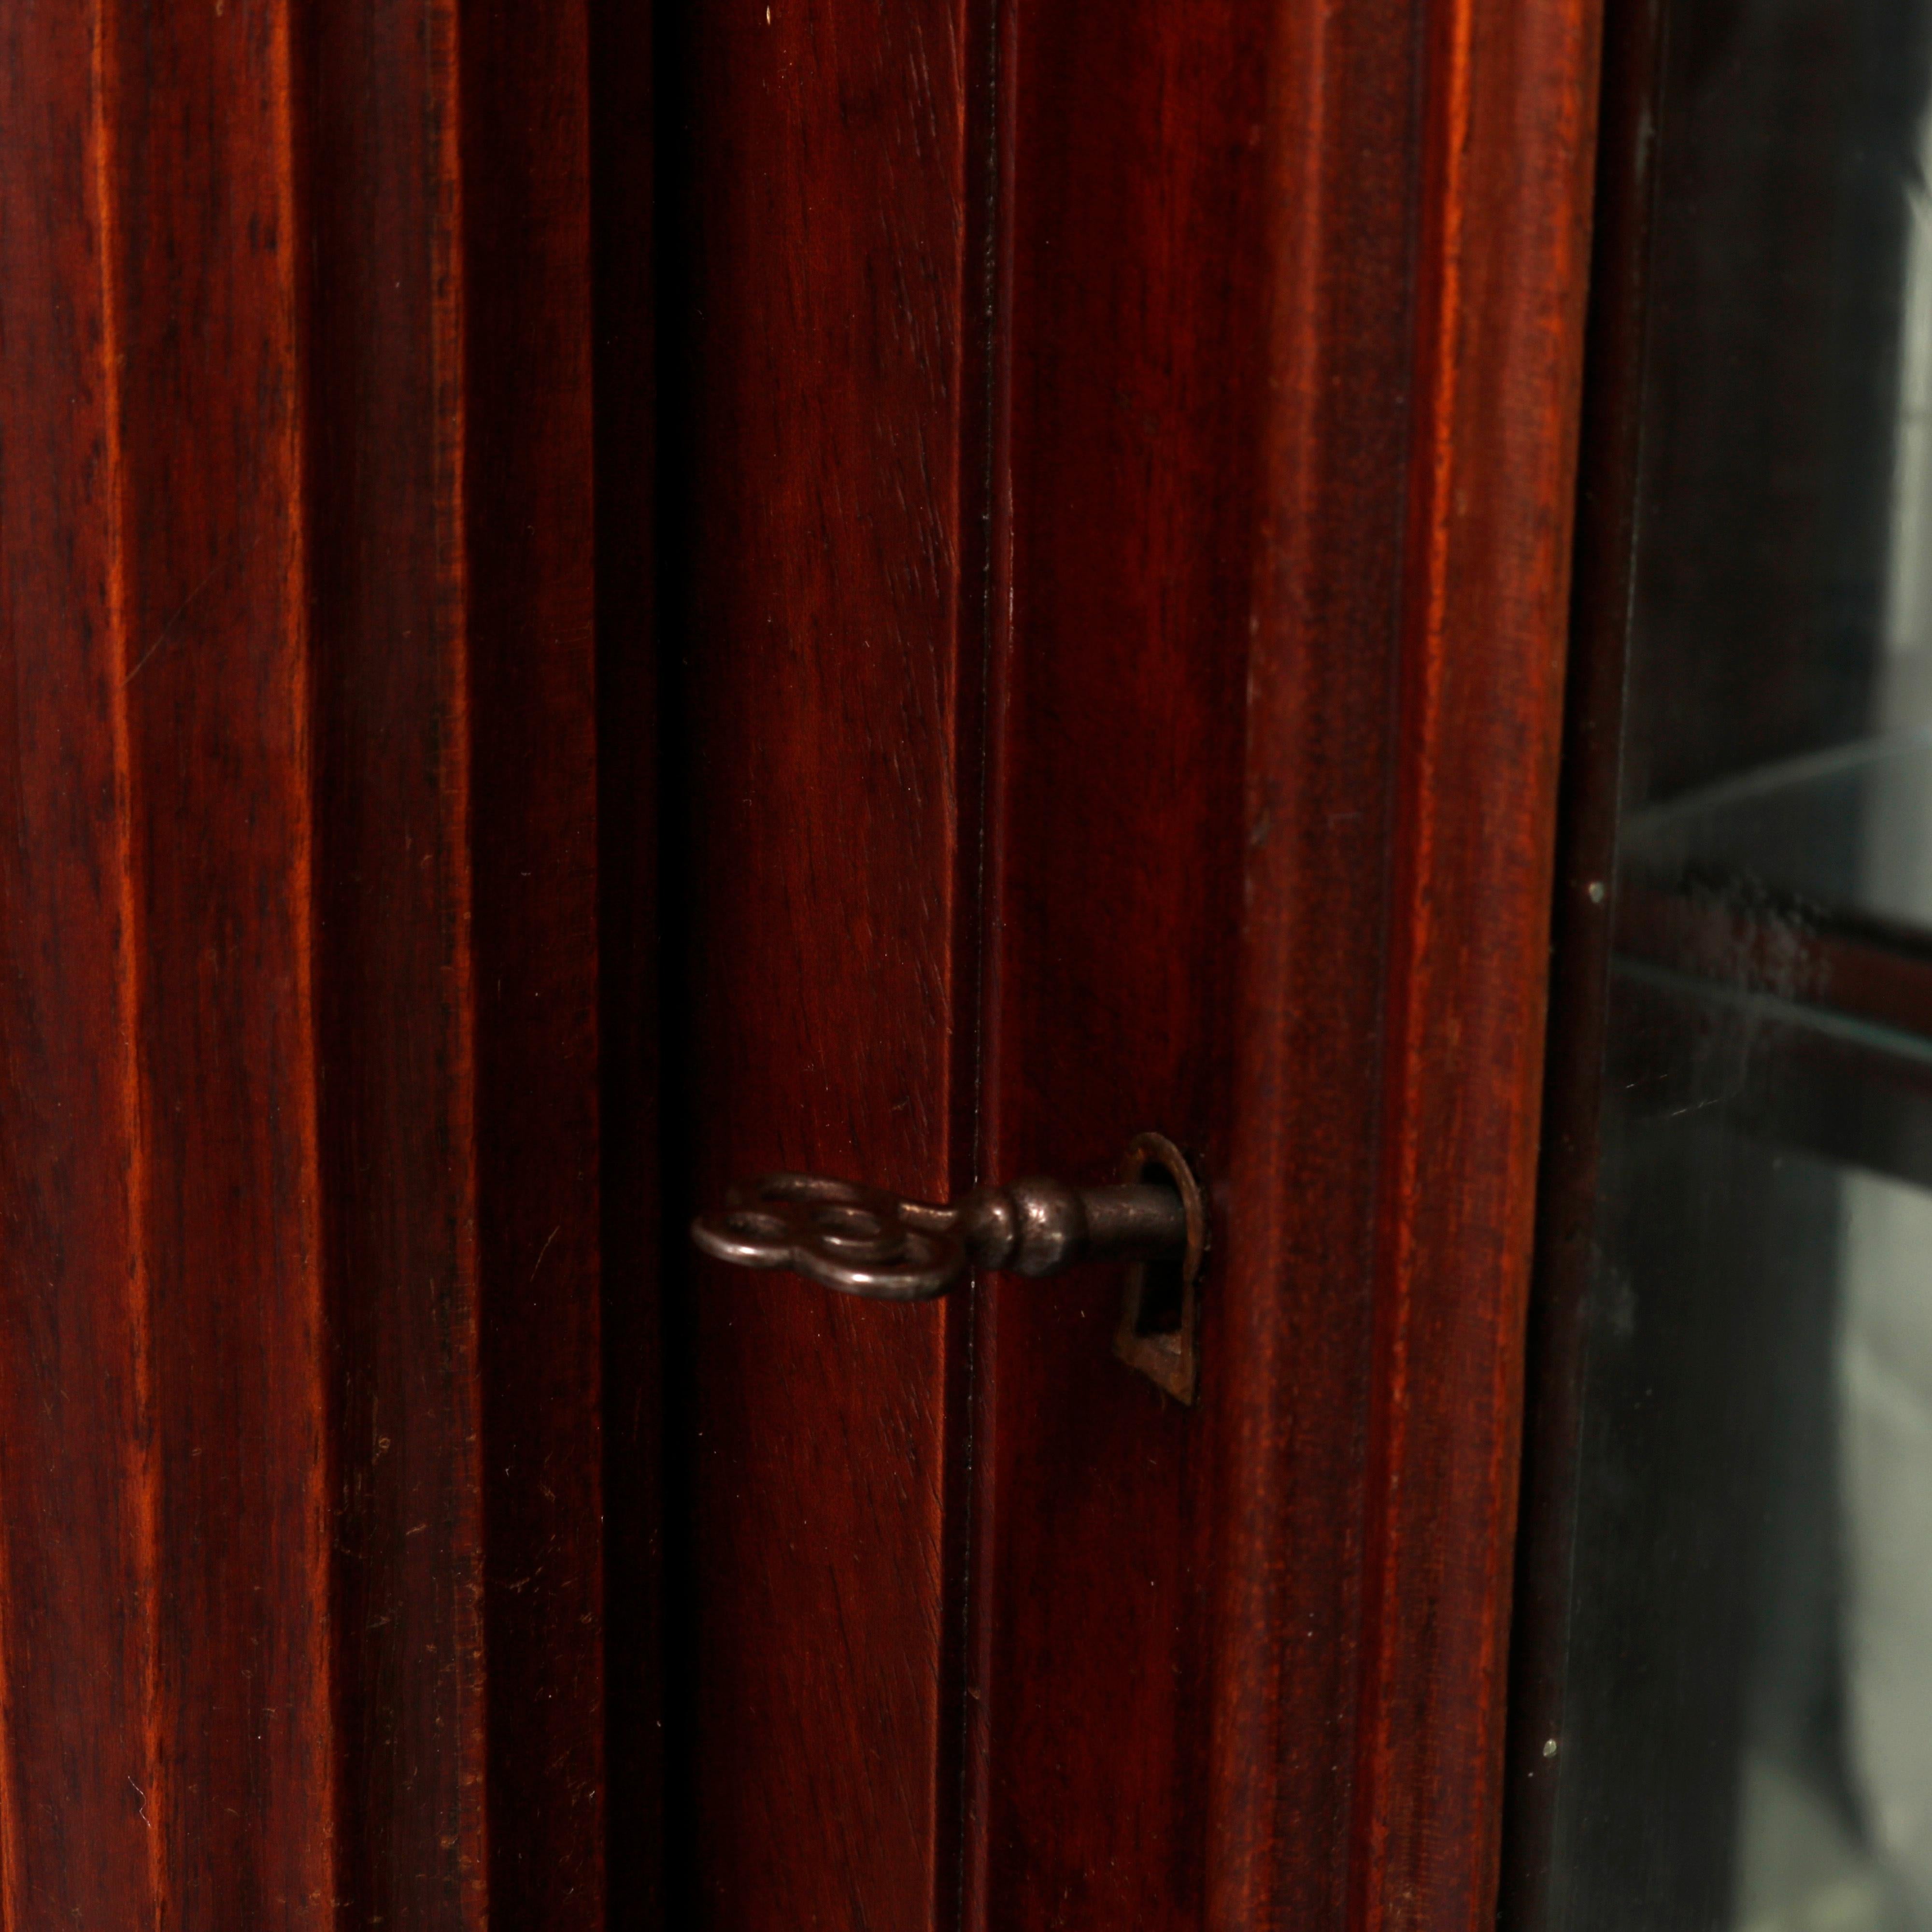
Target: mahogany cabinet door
(302, 1232)
(1117, 469)
(592, 604)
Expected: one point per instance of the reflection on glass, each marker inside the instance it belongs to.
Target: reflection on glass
(1884, 1396)
(1745, 1729)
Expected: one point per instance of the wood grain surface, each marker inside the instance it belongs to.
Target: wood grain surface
(1130, 377)
(301, 1591)
(1295, 1292)
(822, 796)
(1114, 513)
(1280, 374)
(1280, 562)
(1509, 167)
(1384, 1145)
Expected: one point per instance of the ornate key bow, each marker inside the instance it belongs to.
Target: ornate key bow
(864, 1241)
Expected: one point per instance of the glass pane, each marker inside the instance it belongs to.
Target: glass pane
(1744, 1732)
(1747, 1735)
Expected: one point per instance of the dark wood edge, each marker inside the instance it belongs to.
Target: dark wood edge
(631, 1086)
(982, 391)
(1607, 479)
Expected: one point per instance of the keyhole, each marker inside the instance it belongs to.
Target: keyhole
(1159, 1311)
(1160, 1302)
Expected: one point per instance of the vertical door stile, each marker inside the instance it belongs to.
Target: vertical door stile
(1508, 165)
(528, 558)
(1293, 1277)
(77, 1592)
(1404, 706)
(822, 788)
(205, 280)
(394, 777)
(452, 503)
(1410, 631)
(1127, 368)
(299, 1264)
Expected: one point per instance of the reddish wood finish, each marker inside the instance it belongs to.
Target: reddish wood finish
(1130, 376)
(1283, 378)
(1289, 1348)
(1510, 153)
(84, 1722)
(822, 821)
(1252, 340)
(298, 1388)
(1221, 350)
(1400, 1305)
